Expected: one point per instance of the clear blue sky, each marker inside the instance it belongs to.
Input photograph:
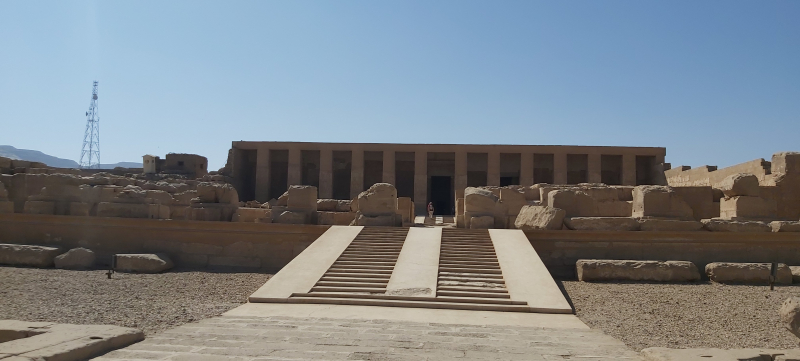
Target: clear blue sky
(715, 82)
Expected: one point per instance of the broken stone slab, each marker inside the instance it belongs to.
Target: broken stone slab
(631, 270)
(785, 226)
(715, 354)
(380, 221)
(208, 192)
(753, 273)
(478, 200)
(659, 201)
(302, 198)
(602, 224)
(252, 215)
(76, 258)
(379, 200)
(723, 225)
(25, 255)
(747, 207)
(335, 218)
(533, 218)
(62, 342)
(143, 262)
(669, 225)
(292, 217)
(795, 273)
(740, 184)
(327, 205)
(790, 315)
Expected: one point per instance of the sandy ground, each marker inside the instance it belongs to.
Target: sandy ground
(685, 315)
(149, 302)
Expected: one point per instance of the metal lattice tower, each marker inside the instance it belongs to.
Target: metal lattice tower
(90, 154)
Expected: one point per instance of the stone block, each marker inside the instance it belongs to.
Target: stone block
(614, 209)
(160, 197)
(630, 270)
(184, 198)
(200, 248)
(479, 201)
(460, 221)
(601, 223)
(624, 193)
(700, 199)
(576, 203)
(79, 209)
(785, 226)
(383, 221)
(76, 258)
(795, 273)
(745, 207)
(302, 198)
(790, 315)
(123, 210)
(659, 201)
(786, 163)
(206, 192)
(754, 273)
(250, 215)
(740, 184)
(210, 214)
(39, 207)
(6, 207)
(327, 205)
(513, 200)
(405, 208)
(292, 217)
(460, 206)
(481, 222)
(25, 255)
(179, 212)
(379, 200)
(669, 225)
(344, 205)
(723, 225)
(3, 192)
(533, 218)
(143, 262)
(601, 194)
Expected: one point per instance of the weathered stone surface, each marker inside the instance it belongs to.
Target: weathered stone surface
(160, 197)
(513, 200)
(76, 258)
(700, 199)
(6, 207)
(740, 184)
(745, 207)
(302, 198)
(790, 315)
(669, 225)
(206, 214)
(379, 200)
(344, 205)
(143, 263)
(258, 215)
(3, 192)
(795, 273)
(785, 226)
(659, 201)
(384, 221)
(481, 222)
(758, 273)
(327, 205)
(722, 225)
(786, 163)
(208, 192)
(79, 209)
(292, 217)
(715, 354)
(575, 202)
(184, 198)
(40, 207)
(629, 270)
(481, 201)
(602, 224)
(25, 255)
(533, 218)
(132, 210)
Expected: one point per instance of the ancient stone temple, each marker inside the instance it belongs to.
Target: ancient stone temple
(431, 172)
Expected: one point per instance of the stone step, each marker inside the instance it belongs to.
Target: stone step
(471, 279)
(470, 270)
(348, 289)
(498, 301)
(412, 304)
(471, 294)
(384, 279)
(357, 275)
(367, 284)
(361, 270)
(471, 289)
(471, 275)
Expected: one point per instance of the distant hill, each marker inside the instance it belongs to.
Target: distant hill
(37, 156)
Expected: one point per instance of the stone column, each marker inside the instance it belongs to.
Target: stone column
(461, 171)
(595, 173)
(262, 174)
(526, 169)
(560, 168)
(420, 182)
(493, 169)
(356, 173)
(629, 169)
(326, 173)
(295, 176)
(388, 167)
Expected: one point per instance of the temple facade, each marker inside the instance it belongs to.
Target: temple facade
(431, 172)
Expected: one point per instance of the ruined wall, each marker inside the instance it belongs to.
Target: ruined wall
(248, 246)
(711, 176)
(560, 250)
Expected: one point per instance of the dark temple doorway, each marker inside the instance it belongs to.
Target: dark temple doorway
(442, 195)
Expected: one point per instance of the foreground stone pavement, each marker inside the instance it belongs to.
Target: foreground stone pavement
(289, 338)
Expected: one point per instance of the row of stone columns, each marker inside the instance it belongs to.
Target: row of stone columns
(421, 170)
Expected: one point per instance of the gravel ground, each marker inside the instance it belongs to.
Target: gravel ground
(685, 315)
(152, 302)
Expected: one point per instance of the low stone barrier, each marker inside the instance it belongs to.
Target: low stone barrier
(756, 273)
(25, 255)
(630, 270)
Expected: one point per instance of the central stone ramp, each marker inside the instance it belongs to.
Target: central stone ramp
(478, 270)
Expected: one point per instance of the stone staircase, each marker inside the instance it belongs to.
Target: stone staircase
(469, 277)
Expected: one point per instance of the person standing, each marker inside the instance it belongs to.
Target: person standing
(430, 210)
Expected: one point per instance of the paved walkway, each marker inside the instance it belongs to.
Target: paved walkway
(234, 338)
